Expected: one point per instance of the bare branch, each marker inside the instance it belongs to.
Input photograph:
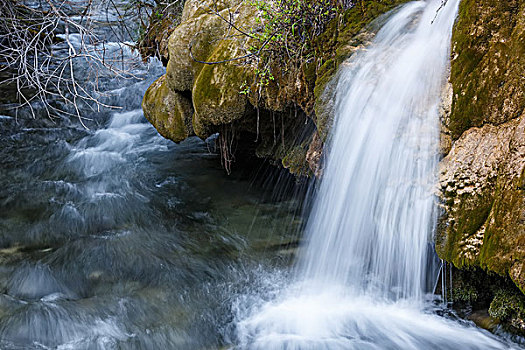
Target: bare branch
(41, 47)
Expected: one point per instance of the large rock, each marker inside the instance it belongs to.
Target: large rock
(169, 111)
(482, 182)
(488, 64)
(482, 178)
(279, 116)
(217, 89)
(202, 29)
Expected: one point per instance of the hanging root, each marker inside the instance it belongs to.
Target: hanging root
(226, 143)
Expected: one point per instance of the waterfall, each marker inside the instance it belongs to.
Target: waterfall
(373, 216)
(360, 283)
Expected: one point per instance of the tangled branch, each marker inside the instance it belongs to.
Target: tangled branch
(41, 47)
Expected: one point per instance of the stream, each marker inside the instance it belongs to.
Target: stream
(113, 237)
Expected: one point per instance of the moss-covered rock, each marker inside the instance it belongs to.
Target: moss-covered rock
(507, 305)
(170, 112)
(481, 186)
(294, 160)
(227, 93)
(202, 30)
(217, 97)
(482, 176)
(488, 64)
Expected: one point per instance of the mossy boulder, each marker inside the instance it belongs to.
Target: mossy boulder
(202, 30)
(217, 96)
(170, 112)
(281, 116)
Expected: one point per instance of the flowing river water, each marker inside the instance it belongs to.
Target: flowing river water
(115, 238)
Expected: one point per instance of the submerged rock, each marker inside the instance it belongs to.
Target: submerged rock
(483, 320)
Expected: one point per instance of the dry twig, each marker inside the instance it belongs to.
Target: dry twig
(41, 46)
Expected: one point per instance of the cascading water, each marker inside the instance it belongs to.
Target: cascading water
(373, 216)
(361, 281)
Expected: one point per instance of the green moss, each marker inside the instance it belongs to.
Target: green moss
(505, 232)
(309, 72)
(469, 219)
(295, 161)
(168, 111)
(488, 65)
(324, 75)
(216, 93)
(497, 253)
(202, 31)
(465, 294)
(472, 219)
(507, 304)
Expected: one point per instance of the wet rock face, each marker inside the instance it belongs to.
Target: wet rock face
(482, 177)
(481, 183)
(215, 89)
